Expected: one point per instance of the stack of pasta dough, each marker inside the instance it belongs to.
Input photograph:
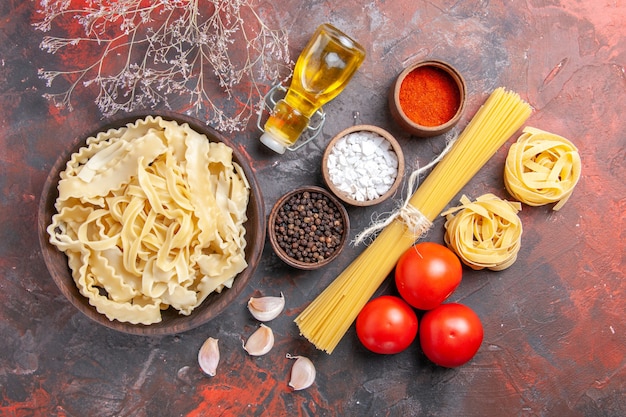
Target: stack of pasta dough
(151, 216)
(541, 168)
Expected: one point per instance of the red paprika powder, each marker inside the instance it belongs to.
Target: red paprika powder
(429, 96)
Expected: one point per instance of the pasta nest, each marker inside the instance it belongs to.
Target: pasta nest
(542, 168)
(485, 233)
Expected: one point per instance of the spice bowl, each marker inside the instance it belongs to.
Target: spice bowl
(308, 227)
(363, 165)
(428, 98)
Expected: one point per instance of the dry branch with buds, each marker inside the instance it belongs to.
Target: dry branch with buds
(218, 54)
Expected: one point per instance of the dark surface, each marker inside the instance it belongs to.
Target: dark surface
(555, 332)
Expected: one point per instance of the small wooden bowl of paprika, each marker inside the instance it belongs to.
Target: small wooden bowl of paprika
(428, 98)
(308, 227)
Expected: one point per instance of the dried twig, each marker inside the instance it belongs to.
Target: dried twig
(139, 53)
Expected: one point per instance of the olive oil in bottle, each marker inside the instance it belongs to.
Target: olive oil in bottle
(322, 71)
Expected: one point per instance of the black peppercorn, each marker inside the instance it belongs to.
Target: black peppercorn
(310, 227)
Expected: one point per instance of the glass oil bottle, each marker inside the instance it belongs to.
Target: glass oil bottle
(322, 71)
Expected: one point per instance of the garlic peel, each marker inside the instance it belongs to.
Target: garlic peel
(302, 373)
(260, 342)
(209, 356)
(266, 308)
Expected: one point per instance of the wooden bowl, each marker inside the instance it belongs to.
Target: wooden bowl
(345, 196)
(172, 322)
(412, 126)
(274, 224)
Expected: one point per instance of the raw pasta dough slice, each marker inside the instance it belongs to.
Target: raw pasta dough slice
(151, 216)
(485, 233)
(542, 168)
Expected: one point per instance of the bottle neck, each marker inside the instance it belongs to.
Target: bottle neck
(285, 124)
(297, 100)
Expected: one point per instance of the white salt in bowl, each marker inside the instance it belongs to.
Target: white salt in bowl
(363, 165)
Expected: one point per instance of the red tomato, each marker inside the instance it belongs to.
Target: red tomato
(426, 274)
(386, 324)
(451, 334)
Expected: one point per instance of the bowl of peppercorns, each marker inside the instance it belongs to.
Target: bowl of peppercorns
(308, 227)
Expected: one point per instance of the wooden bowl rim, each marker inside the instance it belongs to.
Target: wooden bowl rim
(396, 148)
(272, 234)
(416, 128)
(172, 323)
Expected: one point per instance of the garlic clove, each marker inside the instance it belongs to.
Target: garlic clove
(302, 373)
(209, 356)
(260, 342)
(266, 308)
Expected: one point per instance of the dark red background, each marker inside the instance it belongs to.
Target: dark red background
(555, 332)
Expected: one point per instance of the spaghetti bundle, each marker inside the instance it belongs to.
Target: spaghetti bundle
(330, 315)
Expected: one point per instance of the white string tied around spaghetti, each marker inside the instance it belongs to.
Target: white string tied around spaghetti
(417, 224)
